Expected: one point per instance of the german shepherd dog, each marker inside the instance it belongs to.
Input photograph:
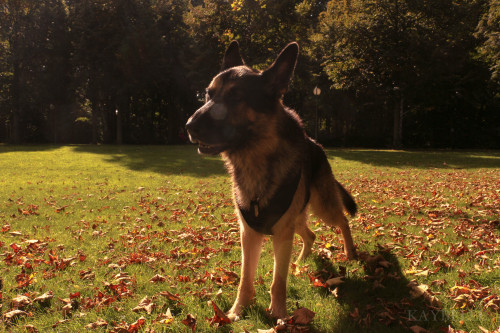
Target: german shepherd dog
(277, 170)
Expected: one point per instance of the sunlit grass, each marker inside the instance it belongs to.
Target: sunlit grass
(148, 210)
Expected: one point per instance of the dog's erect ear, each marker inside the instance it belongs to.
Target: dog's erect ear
(232, 57)
(281, 71)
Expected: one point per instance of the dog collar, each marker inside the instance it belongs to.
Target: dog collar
(262, 219)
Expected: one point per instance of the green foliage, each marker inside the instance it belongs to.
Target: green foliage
(489, 30)
(422, 66)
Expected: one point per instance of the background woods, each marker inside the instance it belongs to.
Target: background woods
(391, 72)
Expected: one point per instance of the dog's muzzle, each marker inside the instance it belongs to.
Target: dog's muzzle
(203, 128)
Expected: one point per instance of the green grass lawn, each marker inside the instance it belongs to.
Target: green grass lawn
(139, 238)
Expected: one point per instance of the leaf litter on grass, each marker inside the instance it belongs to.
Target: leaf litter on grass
(161, 251)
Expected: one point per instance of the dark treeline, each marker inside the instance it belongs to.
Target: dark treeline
(392, 73)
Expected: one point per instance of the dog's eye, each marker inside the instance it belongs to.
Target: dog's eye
(235, 95)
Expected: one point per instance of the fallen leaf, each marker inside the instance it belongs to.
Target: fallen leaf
(31, 329)
(190, 322)
(165, 318)
(170, 296)
(334, 281)
(8, 316)
(219, 318)
(418, 329)
(136, 326)
(417, 272)
(417, 290)
(484, 330)
(145, 304)
(59, 322)
(157, 278)
(99, 323)
(423, 290)
(87, 274)
(20, 302)
(66, 309)
(303, 316)
(440, 263)
(45, 298)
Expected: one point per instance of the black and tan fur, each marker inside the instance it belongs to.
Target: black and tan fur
(265, 147)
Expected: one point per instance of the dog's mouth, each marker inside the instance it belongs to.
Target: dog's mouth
(210, 149)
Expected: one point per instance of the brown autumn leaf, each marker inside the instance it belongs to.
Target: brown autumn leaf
(450, 329)
(418, 329)
(373, 261)
(30, 329)
(219, 319)
(165, 318)
(439, 283)
(440, 263)
(66, 309)
(137, 325)
(157, 278)
(8, 316)
(20, 301)
(492, 303)
(423, 290)
(190, 322)
(146, 304)
(59, 322)
(302, 316)
(87, 274)
(334, 281)
(99, 323)
(170, 296)
(44, 298)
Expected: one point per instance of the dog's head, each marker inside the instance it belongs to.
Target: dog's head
(238, 98)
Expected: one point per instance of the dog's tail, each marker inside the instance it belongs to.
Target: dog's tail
(347, 200)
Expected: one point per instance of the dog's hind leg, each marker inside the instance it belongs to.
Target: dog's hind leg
(308, 238)
(326, 202)
(251, 246)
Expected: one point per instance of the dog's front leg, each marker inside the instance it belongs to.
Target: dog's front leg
(282, 246)
(251, 246)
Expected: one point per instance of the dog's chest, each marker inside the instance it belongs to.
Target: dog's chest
(263, 216)
(263, 189)
(251, 183)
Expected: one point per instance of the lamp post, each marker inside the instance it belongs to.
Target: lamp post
(54, 120)
(119, 133)
(316, 92)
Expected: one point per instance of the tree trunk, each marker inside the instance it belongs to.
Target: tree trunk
(93, 103)
(15, 131)
(398, 124)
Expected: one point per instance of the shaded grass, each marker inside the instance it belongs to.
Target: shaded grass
(147, 210)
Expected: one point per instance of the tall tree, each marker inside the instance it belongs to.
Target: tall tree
(128, 64)
(36, 36)
(489, 30)
(391, 51)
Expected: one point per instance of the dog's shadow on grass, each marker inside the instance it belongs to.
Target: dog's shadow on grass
(166, 160)
(379, 301)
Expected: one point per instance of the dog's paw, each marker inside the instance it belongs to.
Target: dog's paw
(277, 313)
(351, 255)
(232, 316)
